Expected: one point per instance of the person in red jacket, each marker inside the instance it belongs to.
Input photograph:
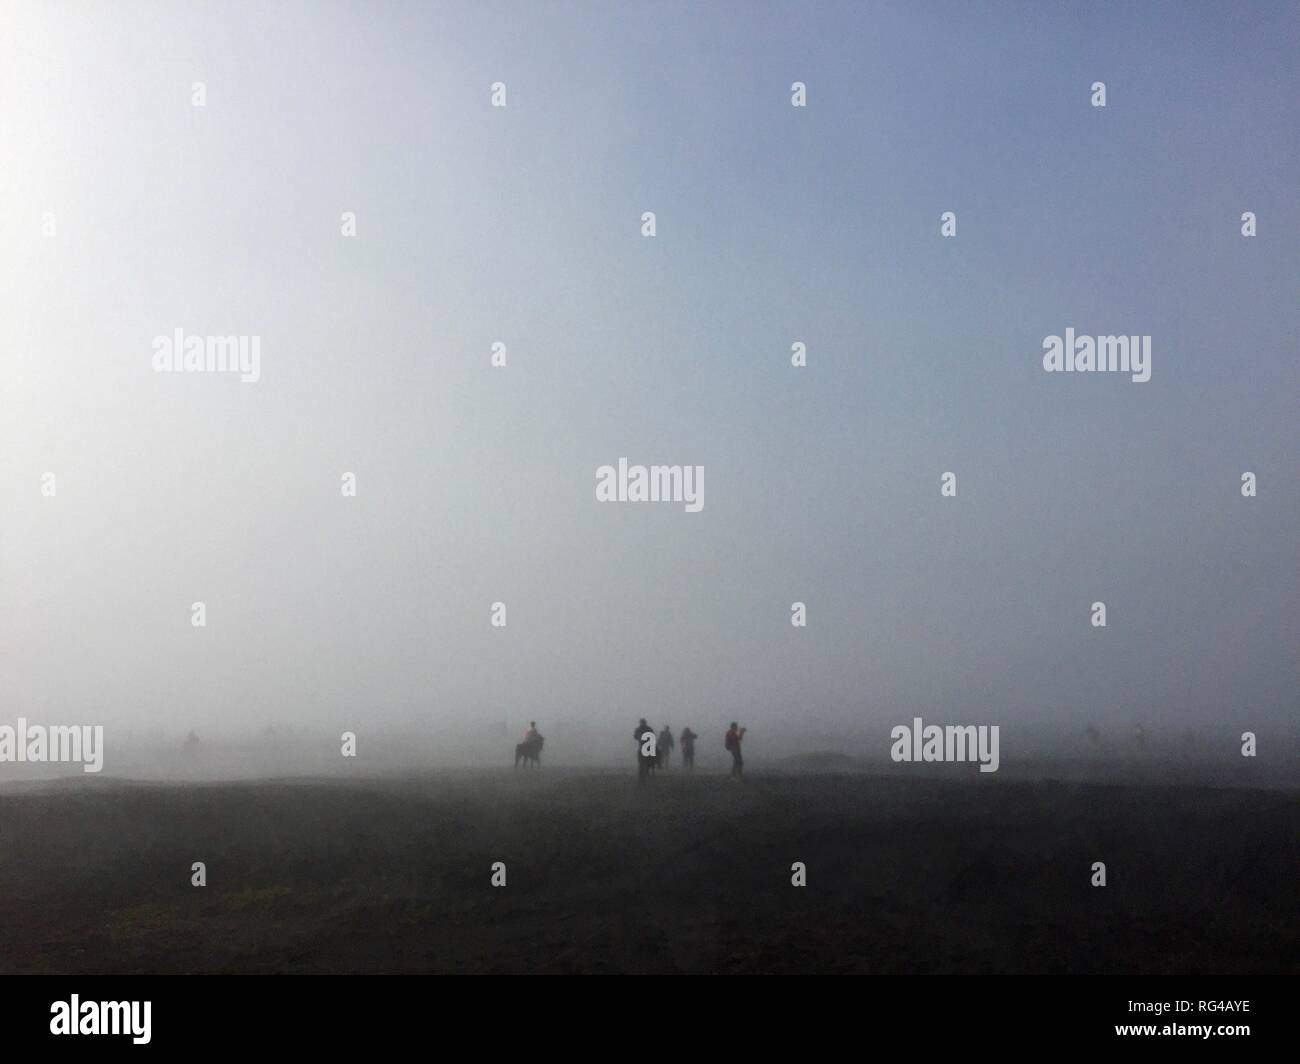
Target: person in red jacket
(732, 743)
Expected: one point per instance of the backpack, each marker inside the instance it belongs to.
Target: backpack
(729, 740)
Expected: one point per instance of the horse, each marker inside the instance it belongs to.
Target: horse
(529, 750)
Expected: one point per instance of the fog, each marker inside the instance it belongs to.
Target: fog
(475, 484)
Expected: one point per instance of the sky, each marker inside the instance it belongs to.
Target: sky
(522, 225)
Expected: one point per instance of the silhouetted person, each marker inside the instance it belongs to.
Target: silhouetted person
(531, 748)
(732, 742)
(688, 748)
(644, 762)
(666, 744)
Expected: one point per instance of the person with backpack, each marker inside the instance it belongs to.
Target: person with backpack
(732, 742)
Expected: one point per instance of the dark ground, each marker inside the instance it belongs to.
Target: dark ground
(685, 875)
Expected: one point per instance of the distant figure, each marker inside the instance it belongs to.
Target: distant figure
(666, 744)
(732, 743)
(688, 748)
(531, 748)
(644, 763)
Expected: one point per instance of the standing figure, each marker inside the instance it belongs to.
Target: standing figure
(666, 744)
(688, 748)
(645, 740)
(732, 742)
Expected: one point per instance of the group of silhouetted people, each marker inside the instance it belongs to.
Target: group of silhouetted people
(653, 751)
